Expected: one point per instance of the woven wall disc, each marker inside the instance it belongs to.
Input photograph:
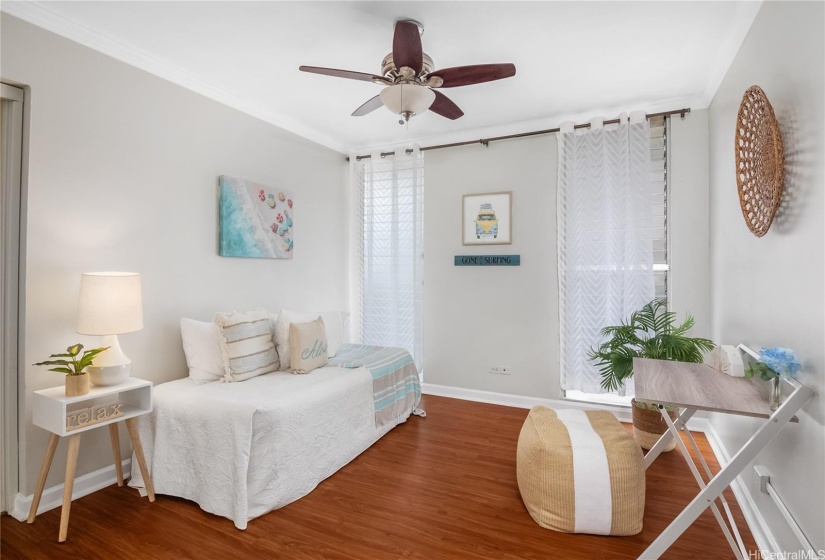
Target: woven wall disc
(760, 161)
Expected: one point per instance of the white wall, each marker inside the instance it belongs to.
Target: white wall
(769, 291)
(123, 175)
(475, 317)
(689, 286)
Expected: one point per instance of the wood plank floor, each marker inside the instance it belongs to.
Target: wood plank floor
(440, 487)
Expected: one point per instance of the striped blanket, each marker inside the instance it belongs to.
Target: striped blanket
(395, 385)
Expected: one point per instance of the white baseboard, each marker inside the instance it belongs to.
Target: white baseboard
(622, 413)
(759, 527)
(53, 497)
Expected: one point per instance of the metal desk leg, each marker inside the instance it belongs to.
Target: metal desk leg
(725, 505)
(656, 450)
(723, 479)
(689, 460)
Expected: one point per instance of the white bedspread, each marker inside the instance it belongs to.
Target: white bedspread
(242, 449)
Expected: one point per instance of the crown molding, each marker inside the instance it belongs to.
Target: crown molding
(41, 16)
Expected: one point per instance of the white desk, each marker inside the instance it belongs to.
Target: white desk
(693, 387)
(54, 411)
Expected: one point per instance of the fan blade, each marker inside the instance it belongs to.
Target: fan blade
(406, 46)
(368, 107)
(444, 107)
(478, 74)
(339, 73)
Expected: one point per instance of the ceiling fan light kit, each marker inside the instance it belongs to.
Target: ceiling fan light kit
(407, 100)
(409, 76)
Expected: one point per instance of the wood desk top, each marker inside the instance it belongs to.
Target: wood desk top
(698, 386)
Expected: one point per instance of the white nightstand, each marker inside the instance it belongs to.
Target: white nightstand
(70, 416)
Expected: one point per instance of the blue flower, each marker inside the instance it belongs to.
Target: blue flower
(781, 360)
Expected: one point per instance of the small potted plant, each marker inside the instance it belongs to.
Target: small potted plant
(651, 332)
(774, 364)
(73, 364)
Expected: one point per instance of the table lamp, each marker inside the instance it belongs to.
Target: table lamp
(110, 304)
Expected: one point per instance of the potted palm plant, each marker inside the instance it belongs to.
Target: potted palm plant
(651, 332)
(74, 365)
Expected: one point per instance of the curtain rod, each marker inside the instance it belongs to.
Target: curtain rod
(486, 141)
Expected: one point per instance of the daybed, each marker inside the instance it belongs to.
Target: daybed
(242, 449)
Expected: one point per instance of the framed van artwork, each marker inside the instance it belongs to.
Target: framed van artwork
(487, 218)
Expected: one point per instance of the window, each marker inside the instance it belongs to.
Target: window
(608, 246)
(659, 180)
(389, 252)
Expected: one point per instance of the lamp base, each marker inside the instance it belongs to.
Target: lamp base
(111, 367)
(109, 375)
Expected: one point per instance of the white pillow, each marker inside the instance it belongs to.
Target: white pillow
(333, 324)
(274, 322)
(203, 350)
(246, 344)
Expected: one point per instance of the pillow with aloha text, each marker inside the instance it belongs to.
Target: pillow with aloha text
(307, 346)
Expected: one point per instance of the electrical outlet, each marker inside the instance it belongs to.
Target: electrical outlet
(761, 478)
(500, 370)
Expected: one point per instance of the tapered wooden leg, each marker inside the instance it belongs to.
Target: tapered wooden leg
(44, 472)
(116, 451)
(68, 486)
(131, 424)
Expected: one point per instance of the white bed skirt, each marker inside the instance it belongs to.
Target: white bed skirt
(240, 450)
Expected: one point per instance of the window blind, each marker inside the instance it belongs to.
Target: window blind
(659, 182)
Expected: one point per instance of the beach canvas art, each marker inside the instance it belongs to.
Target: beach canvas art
(255, 220)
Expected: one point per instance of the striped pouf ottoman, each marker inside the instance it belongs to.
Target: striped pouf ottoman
(581, 472)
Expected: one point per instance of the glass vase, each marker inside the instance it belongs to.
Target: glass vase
(776, 392)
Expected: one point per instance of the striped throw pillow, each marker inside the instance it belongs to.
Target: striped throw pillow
(246, 345)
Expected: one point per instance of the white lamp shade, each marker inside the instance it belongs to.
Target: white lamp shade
(110, 303)
(407, 98)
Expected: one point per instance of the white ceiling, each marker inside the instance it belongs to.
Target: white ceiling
(574, 60)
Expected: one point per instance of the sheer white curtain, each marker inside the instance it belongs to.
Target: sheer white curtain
(605, 250)
(388, 251)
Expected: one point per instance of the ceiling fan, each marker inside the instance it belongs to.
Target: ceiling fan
(410, 80)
